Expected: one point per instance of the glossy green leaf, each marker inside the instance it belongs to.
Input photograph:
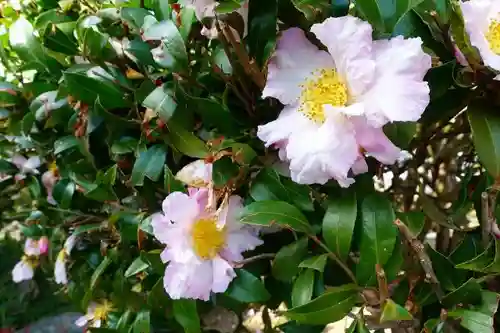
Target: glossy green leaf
(333, 305)
(262, 29)
(468, 293)
(171, 184)
(99, 271)
(444, 269)
(480, 262)
(64, 143)
(311, 8)
(63, 192)
(56, 40)
(224, 170)
(149, 164)
(378, 236)
(485, 125)
(186, 142)
(161, 101)
(137, 266)
(338, 223)
(303, 288)
(286, 263)
(134, 17)
(142, 322)
(247, 288)
(474, 321)
(275, 212)
(413, 220)
(317, 262)
(186, 314)
(9, 94)
(372, 11)
(394, 312)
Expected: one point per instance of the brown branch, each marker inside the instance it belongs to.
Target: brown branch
(423, 258)
(382, 284)
(241, 263)
(485, 219)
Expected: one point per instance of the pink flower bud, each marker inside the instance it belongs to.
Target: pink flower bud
(43, 245)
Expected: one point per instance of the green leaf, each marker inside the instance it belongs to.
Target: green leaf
(443, 267)
(378, 236)
(137, 266)
(123, 323)
(162, 10)
(261, 38)
(485, 125)
(58, 41)
(87, 83)
(186, 314)
(63, 192)
(413, 220)
(401, 133)
(394, 312)
(247, 288)
(171, 184)
(311, 8)
(142, 322)
(124, 145)
(468, 293)
(371, 10)
(98, 271)
(338, 223)
(474, 321)
(149, 164)
(275, 212)
(134, 17)
(161, 101)
(188, 17)
(333, 305)
(286, 263)
(317, 262)
(340, 7)
(172, 52)
(223, 171)
(64, 143)
(186, 142)
(303, 288)
(480, 262)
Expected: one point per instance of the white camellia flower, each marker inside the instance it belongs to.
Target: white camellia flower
(202, 243)
(482, 22)
(26, 165)
(336, 102)
(25, 268)
(196, 174)
(60, 272)
(96, 314)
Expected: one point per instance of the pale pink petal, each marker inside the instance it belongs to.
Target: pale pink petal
(43, 245)
(239, 241)
(188, 280)
(180, 208)
(290, 120)
(31, 247)
(349, 41)
(82, 321)
(375, 142)
(399, 94)
(223, 274)
(293, 62)
(229, 213)
(196, 174)
(360, 166)
(70, 243)
(60, 273)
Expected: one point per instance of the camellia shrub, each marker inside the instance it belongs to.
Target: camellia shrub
(174, 166)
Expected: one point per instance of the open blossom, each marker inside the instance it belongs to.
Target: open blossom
(96, 314)
(336, 102)
(25, 165)
(202, 243)
(60, 272)
(196, 174)
(482, 22)
(25, 268)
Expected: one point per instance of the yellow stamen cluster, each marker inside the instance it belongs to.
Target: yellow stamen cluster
(325, 87)
(207, 238)
(493, 36)
(101, 310)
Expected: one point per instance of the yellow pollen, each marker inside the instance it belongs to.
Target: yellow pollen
(208, 239)
(325, 87)
(101, 310)
(493, 36)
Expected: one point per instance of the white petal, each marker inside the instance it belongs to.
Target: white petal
(31, 247)
(239, 241)
(82, 321)
(179, 208)
(349, 41)
(70, 243)
(223, 274)
(196, 174)
(293, 62)
(97, 323)
(188, 280)
(229, 213)
(22, 271)
(60, 272)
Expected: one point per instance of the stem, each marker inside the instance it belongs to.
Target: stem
(382, 284)
(72, 212)
(485, 219)
(423, 258)
(245, 261)
(334, 257)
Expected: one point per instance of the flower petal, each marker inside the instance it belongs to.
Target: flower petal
(294, 61)
(22, 271)
(82, 321)
(276, 132)
(180, 208)
(196, 174)
(188, 280)
(349, 41)
(223, 274)
(60, 273)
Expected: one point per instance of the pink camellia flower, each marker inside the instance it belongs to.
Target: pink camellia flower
(336, 102)
(202, 243)
(25, 268)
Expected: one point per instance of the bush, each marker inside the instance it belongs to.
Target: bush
(172, 163)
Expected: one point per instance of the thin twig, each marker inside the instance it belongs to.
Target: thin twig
(334, 257)
(245, 261)
(423, 258)
(382, 284)
(485, 219)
